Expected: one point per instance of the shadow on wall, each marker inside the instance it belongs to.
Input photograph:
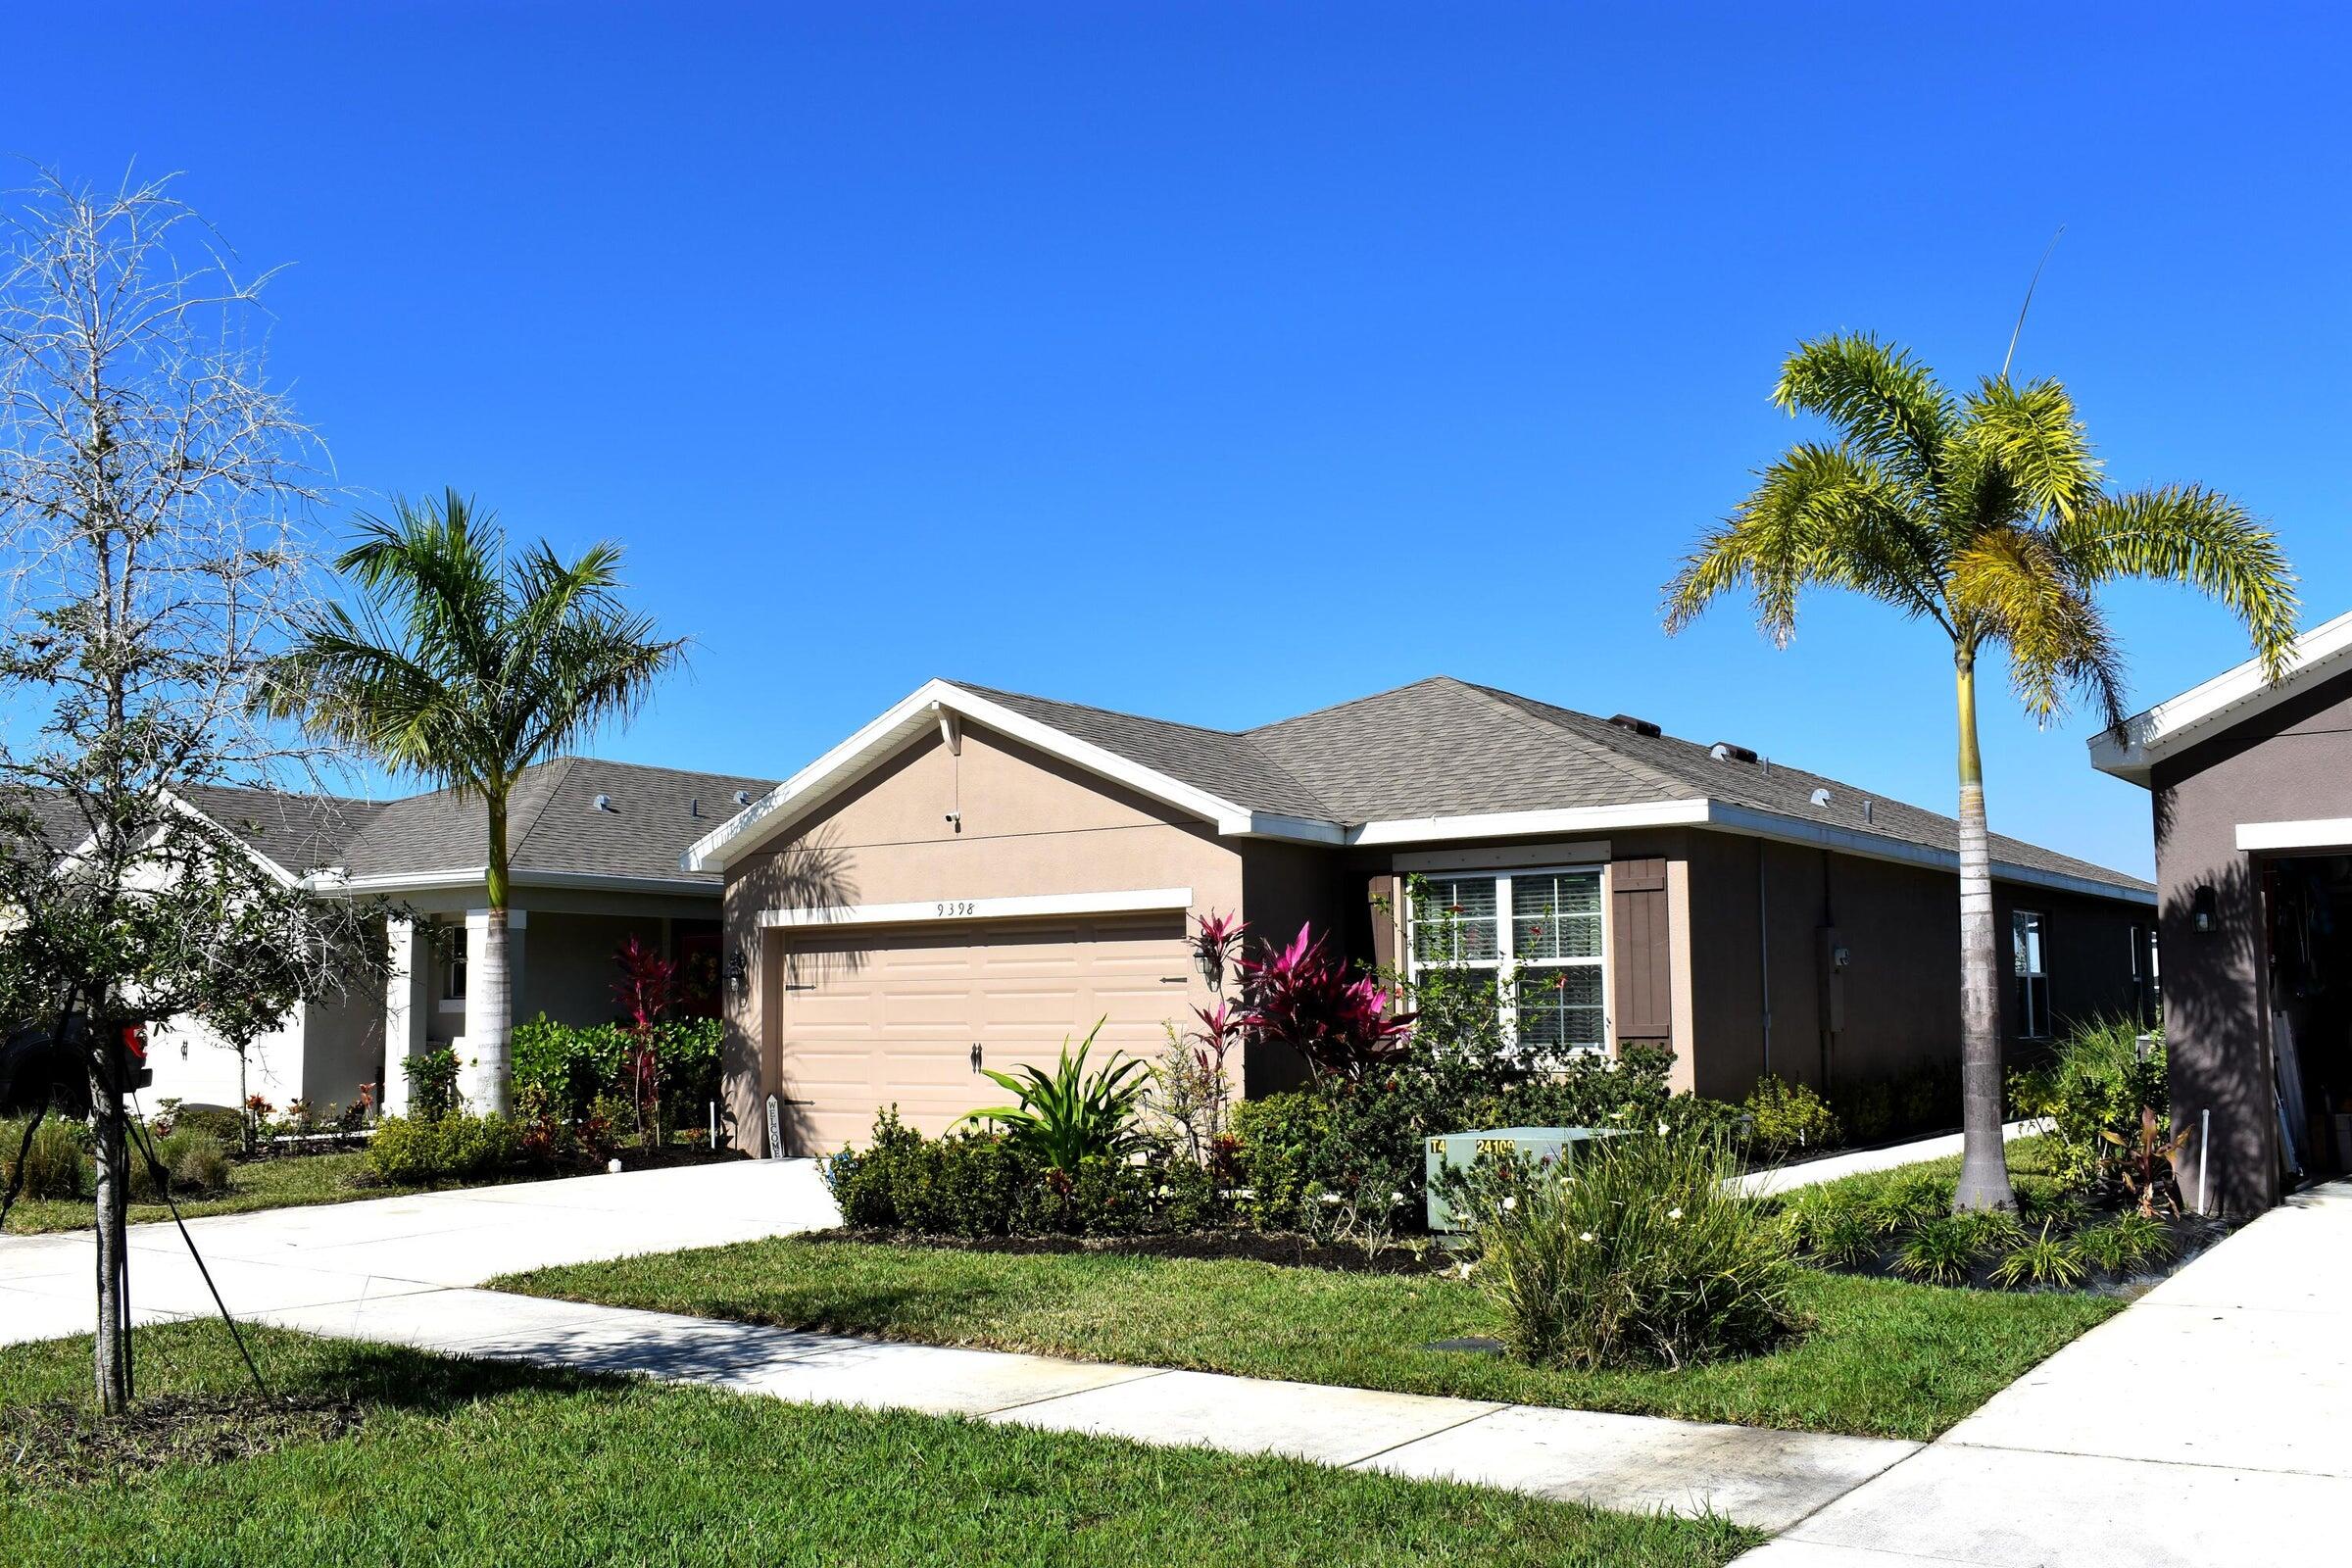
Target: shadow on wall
(2213, 1037)
(810, 873)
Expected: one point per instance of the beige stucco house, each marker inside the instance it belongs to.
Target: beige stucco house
(979, 874)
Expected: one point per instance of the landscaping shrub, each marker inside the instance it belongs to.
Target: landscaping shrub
(1641, 1258)
(432, 1084)
(2124, 1245)
(1918, 1099)
(53, 1164)
(574, 1064)
(979, 1183)
(2094, 1085)
(1786, 1119)
(1070, 1116)
(193, 1159)
(2047, 1261)
(225, 1126)
(418, 1150)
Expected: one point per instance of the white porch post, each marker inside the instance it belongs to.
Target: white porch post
(471, 1083)
(404, 1011)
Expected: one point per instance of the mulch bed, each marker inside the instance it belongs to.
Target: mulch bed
(1251, 1246)
(56, 1444)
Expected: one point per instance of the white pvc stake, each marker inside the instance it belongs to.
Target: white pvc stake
(2204, 1137)
(715, 1124)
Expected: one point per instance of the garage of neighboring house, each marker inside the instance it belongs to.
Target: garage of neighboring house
(908, 1014)
(2251, 793)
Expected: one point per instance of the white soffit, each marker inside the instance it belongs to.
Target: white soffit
(2312, 833)
(2228, 699)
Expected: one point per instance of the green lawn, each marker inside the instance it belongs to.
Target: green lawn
(2032, 1173)
(261, 1184)
(475, 1463)
(1884, 1356)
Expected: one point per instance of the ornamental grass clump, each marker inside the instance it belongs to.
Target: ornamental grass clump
(1639, 1258)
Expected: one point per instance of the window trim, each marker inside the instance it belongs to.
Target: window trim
(2031, 977)
(1505, 953)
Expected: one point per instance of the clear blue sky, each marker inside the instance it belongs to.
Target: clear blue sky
(1222, 362)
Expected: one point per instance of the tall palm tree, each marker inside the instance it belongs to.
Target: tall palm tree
(1986, 516)
(466, 666)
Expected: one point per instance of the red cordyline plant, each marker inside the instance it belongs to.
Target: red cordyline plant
(1303, 997)
(1217, 946)
(646, 993)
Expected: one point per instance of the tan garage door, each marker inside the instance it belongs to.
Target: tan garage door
(890, 1016)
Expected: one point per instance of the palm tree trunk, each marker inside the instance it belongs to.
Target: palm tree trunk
(1984, 1166)
(496, 1019)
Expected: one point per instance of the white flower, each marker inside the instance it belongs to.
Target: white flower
(1510, 1202)
(1395, 1198)
(1464, 1270)
(1585, 1236)
(1661, 1129)
(1673, 1213)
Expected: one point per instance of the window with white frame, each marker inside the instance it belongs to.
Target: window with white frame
(453, 966)
(2033, 979)
(1539, 931)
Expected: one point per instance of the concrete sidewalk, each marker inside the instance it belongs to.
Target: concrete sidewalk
(1813, 1172)
(2210, 1425)
(1632, 1464)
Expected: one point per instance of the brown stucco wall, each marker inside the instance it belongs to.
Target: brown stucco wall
(2291, 763)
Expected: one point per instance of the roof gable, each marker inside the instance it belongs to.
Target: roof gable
(2132, 750)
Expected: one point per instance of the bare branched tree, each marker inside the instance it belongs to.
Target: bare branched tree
(153, 496)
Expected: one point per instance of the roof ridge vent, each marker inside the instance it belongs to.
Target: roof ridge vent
(1822, 797)
(1727, 751)
(1640, 727)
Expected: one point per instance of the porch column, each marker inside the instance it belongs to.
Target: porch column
(478, 937)
(404, 1011)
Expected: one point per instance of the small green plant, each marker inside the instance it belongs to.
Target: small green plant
(2124, 1245)
(432, 1084)
(1072, 1115)
(1787, 1119)
(52, 1162)
(2048, 1261)
(1941, 1249)
(1843, 1238)
(1641, 1258)
(193, 1161)
(2094, 1091)
(413, 1149)
(1909, 1201)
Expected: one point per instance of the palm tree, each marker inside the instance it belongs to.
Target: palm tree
(1986, 517)
(465, 668)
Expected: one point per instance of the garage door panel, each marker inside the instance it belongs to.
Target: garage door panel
(891, 1017)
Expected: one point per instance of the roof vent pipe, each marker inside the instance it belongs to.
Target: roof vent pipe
(1821, 796)
(743, 796)
(603, 802)
(1866, 806)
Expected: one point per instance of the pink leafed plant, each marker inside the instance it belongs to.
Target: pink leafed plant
(1303, 997)
(1217, 946)
(647, 992)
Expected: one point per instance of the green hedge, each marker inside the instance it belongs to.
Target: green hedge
(417, 1149)
(573, 1064)
(978, 1184)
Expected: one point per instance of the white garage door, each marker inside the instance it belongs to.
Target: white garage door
(886, 1016)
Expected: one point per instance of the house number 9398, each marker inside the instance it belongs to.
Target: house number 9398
(955, 906)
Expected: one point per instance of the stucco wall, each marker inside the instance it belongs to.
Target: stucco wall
(570, 970)
(1030, 825)
(2291, 763)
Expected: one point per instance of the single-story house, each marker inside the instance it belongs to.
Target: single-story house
(594, 850)
(977, 874)
(2250, 784)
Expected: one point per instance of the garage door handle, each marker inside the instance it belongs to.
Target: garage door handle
(976, 1056)
(1175, 979)
(805, 985)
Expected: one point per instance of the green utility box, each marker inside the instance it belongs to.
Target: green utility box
(1530, 1144)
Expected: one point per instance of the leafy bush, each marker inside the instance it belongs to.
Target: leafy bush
(979, 1183)
(573, 1064)
(1940, 1251)
(193, 1159)
(432, 1084)
(2124, 1245)
(1787, 1118)
(415, 1149)
(1073, 1116)
(2094, 1086)
(1304, 998)
(53, 1164)
(228, 1127)
(1920, 1098)
(1641, 1258)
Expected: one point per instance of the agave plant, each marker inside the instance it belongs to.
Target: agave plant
(1071, 1116)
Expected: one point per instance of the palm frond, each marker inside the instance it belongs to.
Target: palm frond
(2012, 587)
(1889, 407)
(2032, 434)
(2189, 534)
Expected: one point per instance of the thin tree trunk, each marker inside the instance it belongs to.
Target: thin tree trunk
(497, 1016)
(1984, 1165)
(113, 1349)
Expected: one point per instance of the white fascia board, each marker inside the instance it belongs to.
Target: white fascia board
(2312, 833)
(2132, 750)
(475, 875)
(845, 764)
(930, 911)
(1511, 824)
(277, 873)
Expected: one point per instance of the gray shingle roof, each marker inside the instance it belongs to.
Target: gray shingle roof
(553, 825)
(1444, 748)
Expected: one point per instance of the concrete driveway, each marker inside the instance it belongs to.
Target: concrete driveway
(2210, 1425)
(330, 1253)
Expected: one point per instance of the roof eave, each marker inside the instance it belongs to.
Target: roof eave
(2132, 750)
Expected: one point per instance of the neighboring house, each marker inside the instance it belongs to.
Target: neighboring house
(595, 849)
(2251, 789)
(977, 874)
